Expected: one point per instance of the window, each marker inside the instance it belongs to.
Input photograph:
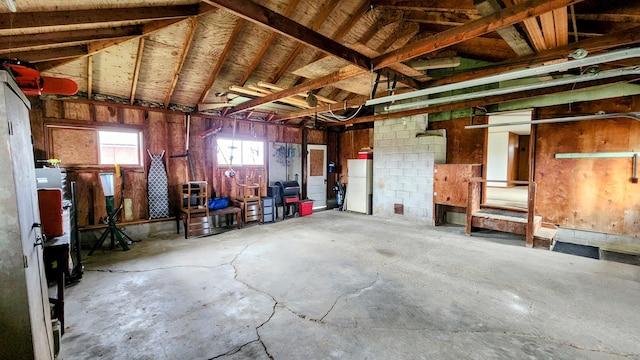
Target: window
(240, 152)
(117, 147)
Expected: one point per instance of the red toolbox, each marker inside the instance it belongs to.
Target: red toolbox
(306, 207)
(51, 213)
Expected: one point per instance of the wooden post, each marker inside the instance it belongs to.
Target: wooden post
(531, 214)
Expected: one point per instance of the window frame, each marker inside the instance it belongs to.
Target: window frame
(240, 152)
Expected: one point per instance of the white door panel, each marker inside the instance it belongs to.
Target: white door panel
(317, 175)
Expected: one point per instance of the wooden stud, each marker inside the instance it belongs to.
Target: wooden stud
(136, 70)
(185, 50)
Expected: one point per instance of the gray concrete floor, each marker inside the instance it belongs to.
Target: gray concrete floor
(347, 286)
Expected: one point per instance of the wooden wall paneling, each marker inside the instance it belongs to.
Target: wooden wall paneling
(80, 111)
(38, 131)
(132, 116)
(179, 174)
(333, 155)
(83, 150)
(523, 157)
(588, 194)
(512, 158)
(135, 188)
(318, 137)
(53, 109)
(106, 113)
(463, 146)
(197, 147)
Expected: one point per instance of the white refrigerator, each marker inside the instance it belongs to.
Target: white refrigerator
(359, 185)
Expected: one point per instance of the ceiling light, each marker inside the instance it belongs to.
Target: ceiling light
(515, 74)
(579, 54)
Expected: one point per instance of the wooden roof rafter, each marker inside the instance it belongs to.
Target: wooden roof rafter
(193, 27)
(221, 59)
(23, 20)
(319, 20)
(267, 44)
(136, 70)
(475, 28)
(451, 6)
(29, 42)
(265, 17)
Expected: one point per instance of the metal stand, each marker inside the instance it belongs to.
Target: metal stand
(112, 230)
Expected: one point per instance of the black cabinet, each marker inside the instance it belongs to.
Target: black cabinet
(268, 209)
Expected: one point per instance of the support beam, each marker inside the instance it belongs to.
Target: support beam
(460, 6)
(344, 73)
(136, 70)
(37, 56)
(510, 34)
(267, 44)
(193, 26)
(263, 16)
(322, 16)
(90, 78)
(620, 38)
(487, 24)
(320, 109)
(22, 20)
(29, 42)
(221, 59)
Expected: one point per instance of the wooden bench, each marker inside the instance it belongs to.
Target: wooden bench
(203, 222)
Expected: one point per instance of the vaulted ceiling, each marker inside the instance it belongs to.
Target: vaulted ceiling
(259, 59)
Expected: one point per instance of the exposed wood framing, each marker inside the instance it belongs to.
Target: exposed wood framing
(493, 22)
(509, 33)
(221, 60)
(461, 6)
(21, 20)
(136, 70)
(90, 77)
(322, 16)
(339, 75)
(29, 42)
(185, 50)
(267, 44)
(320, 109)
(619, 38)
(283, 25)
(36, 56)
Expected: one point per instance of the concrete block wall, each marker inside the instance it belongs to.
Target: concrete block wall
(403, 168)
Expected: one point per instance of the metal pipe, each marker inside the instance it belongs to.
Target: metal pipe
(515, 74)
(631, 115)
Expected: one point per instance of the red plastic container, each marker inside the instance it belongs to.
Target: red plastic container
(365, 155)
(51, 214)
(306, 207)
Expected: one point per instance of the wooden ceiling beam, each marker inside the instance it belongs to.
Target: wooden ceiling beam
(136, 70)
(22, 20)
(561, 24)
(37, 56)
(193, 27)
(458, 6)
(619, 38)
(320, 109)
(267, 44)
(490, 100)
(265, 17)
(28, 42)
(317, 23)
(345, 73)
(221, 59)
(475, 28)
(510, 34)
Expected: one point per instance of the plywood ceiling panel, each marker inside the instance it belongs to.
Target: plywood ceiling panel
(113, 69)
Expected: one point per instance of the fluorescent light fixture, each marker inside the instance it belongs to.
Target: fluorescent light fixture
(515, 74)
(12, 5)
(631, 115)
(634, 70)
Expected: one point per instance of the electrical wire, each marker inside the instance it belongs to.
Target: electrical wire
(342, 118)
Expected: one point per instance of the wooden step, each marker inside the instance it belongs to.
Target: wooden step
(544, 237)
(511, 222)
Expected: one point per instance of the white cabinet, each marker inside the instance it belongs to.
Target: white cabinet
(25, 323)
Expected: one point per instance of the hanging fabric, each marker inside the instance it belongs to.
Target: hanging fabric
(157, 187)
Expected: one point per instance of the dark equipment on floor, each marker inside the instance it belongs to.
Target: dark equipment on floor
(289, 196)
(340, 191)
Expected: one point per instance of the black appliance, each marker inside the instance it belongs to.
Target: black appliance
(289, 195)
